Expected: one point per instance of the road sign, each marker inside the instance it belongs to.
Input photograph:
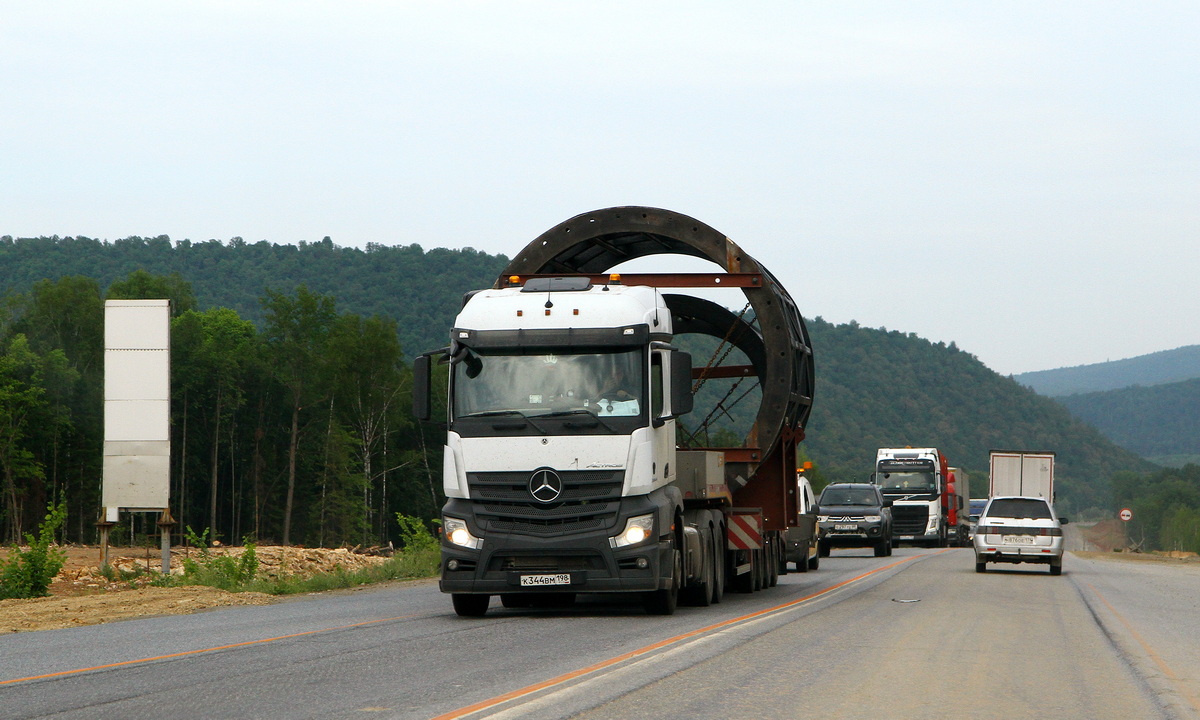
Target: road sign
(1126, 514)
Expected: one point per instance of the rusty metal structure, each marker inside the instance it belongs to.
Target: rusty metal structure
(776, 342)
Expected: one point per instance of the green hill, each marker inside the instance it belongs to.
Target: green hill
(1157, 368)
(875, 388)
(1161, 422)
(421, 289)
(879, 388)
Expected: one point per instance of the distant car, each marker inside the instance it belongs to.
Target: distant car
(854, 515)
(800, 542)
(974, 510)
(1016, 529)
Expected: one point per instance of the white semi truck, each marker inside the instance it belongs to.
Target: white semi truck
(924, 497)
(566, 391)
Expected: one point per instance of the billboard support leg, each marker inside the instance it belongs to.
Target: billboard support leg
(104, 526)
(165, 523)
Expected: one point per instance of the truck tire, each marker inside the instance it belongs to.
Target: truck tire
(771, 579)
(881, 547)
(822, 548)
(719, 562)
(1056, 569)
(980, 567)
(802, 565)
(700, 594)
(814, 562)
(470, 605)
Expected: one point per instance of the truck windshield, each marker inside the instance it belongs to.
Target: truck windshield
(571, 382)
(907, 483)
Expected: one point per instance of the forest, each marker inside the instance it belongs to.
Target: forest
(296, 432)
(291, 418)
(1157, 422)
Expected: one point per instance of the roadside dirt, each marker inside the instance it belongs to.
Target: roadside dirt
(1111, 543)
(81, 595)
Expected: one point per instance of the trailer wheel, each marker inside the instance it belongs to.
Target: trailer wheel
(470, 605)
(718, 563)
(771, 579)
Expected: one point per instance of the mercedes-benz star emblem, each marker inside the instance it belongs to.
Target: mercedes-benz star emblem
(545, 486)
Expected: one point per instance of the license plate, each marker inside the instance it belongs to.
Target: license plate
(846, 526)
(539, 580)
(1017, 539)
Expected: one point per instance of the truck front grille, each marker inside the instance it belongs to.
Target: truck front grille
(589, 501)
(909, 519)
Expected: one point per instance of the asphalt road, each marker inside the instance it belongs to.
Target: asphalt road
(916, 635)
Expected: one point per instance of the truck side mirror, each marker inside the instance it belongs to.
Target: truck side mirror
(421, 405)
(681, 383)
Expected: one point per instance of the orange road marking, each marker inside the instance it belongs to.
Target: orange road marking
(528, 690)
(199, 651)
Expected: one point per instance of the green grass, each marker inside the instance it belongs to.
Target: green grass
(413, 564)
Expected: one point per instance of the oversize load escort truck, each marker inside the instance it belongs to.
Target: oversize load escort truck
(567, 395)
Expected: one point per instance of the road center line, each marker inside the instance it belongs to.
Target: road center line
(200, 651)
(604, 664)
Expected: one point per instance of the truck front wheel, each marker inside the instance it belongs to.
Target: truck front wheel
(470, 605)
(664, 602)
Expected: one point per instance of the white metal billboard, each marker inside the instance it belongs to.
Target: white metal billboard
(137, 406)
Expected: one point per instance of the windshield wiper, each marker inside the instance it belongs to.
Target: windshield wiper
(597, 420)
(491, 413)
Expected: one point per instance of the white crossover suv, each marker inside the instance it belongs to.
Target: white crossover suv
(1019, 530)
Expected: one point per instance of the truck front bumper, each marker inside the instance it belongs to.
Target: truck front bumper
(582, 562)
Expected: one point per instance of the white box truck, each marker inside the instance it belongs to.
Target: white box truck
(1022, 472)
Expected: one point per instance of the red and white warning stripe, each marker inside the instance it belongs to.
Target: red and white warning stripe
(745, 532)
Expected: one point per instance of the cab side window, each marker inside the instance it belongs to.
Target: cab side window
(656, 385)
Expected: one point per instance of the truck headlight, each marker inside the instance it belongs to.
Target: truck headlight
(637, 529)
(458, 534)
(873, 518)
(822, 518)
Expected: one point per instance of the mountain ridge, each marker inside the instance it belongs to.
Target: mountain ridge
(1157, 368)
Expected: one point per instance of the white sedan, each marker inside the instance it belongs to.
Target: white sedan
(1019, 530)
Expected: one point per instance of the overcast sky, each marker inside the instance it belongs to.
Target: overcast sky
(1021, 178)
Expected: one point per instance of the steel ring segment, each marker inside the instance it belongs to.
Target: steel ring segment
(594, 242)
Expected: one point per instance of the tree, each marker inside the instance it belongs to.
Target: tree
(370, 380)
(296, 336)
(21, 395)
(218, 345)
(141, 285)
